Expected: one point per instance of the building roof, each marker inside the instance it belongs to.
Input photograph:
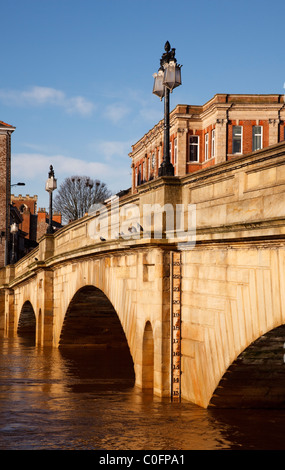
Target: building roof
(6, 126)
(223, 100)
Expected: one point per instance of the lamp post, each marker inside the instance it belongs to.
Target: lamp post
(51, 185)
(13, 230)
(166, 79)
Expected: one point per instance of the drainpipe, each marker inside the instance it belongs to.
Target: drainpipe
(279, 118)
(227, 131)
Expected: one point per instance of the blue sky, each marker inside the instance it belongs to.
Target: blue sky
(76, 77)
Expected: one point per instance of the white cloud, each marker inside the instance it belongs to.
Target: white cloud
(134, 105)
(80, 105)
(109, 149)
(116, 112)
(33, 168)
(42, 95)
(39, 96)
(149, 108)
(35, 165)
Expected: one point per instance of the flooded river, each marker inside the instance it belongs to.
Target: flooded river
(75, 400)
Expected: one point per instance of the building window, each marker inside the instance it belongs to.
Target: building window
(170, 151)
(237, 139)
(175, 151)
(256, 138)
(152, 160)
(206, 146)
(194, 148)
(136, 176)
(213, 144)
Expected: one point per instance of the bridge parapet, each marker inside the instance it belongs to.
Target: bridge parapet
(239, 199)
(23, 265)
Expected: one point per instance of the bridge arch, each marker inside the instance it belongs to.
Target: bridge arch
(27, 324)
(256, 378)
(91, 321)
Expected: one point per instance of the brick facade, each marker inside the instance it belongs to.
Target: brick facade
(42, 221)
(34, 221)
(209, 128)
(5, 189)
(27, 206)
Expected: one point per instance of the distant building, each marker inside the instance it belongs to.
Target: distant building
(27, 207)
(43, 220)
(32, 224)
(202, 136)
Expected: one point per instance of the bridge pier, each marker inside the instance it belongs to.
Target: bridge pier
(39, 294)
(9, 313)
(152, 352)
(2, 309)
(44, 308)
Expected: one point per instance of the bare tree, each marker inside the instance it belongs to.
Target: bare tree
(77, 194)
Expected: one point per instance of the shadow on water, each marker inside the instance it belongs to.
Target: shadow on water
(250, 398)
(98, 369)
(251, 429)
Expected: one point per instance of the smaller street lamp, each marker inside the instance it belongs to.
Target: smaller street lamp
(13, 230)
(51, 185)
(18, 184)
(166, 79)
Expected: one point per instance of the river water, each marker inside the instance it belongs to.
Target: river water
(75, 400)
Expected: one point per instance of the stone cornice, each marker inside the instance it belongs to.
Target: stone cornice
(260, 156)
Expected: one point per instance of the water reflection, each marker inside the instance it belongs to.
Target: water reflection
(82, 399)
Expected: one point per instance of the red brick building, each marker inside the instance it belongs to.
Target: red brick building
(33, 223)
(21, 210)
(43, 219)
(6, 131)
(201, 136)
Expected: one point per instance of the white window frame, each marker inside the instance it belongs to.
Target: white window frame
(241, 140)
(257, 135)
(170, 150)
(207, 146)
(175, 151)
(213, 142)
(195, 145)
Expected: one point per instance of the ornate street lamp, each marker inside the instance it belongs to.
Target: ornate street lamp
(51, 185)
(13, 230)
(166, 79)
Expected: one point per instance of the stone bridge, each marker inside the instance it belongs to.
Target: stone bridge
(186, 302)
